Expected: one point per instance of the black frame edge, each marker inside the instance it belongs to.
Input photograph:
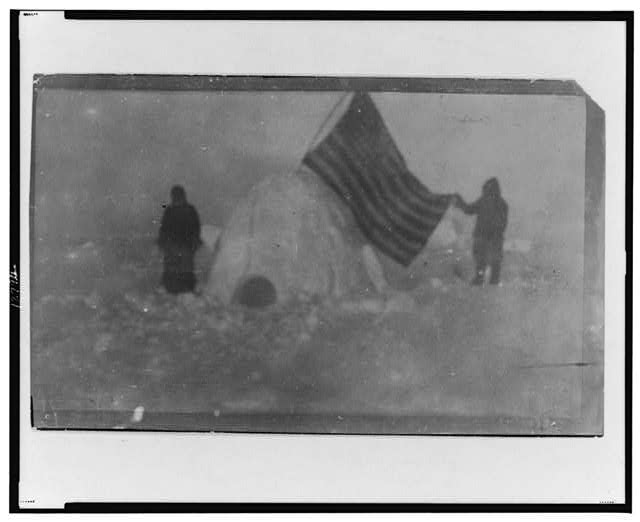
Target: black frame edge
(14, 361)
(628, 377)
(391, 15)
(14, 261)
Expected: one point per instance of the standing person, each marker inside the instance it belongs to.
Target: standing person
(179, 239)
(491, 212)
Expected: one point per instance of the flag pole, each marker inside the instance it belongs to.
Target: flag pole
(326, 120)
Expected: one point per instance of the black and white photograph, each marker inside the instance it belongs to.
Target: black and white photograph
(320, 258)
(326, 255)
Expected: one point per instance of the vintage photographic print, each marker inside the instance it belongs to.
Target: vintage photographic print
(317, 255)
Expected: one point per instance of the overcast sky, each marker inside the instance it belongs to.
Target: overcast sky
(106, 160)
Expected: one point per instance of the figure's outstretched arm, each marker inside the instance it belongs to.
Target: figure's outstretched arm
(464, 206)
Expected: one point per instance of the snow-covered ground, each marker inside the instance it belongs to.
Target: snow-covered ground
(111, 349)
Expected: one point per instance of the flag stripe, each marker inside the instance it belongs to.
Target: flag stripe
(374, 228)
(389, 183)
(370, 222)
(360, 161)
(374, 235)
(393, 161)
(408, 225)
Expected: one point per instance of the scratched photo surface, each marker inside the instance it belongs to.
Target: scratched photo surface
(382, 262)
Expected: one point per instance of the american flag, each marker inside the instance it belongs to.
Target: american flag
(360, 161)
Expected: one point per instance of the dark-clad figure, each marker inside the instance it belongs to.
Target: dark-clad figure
(488, 235)
(179, 239)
